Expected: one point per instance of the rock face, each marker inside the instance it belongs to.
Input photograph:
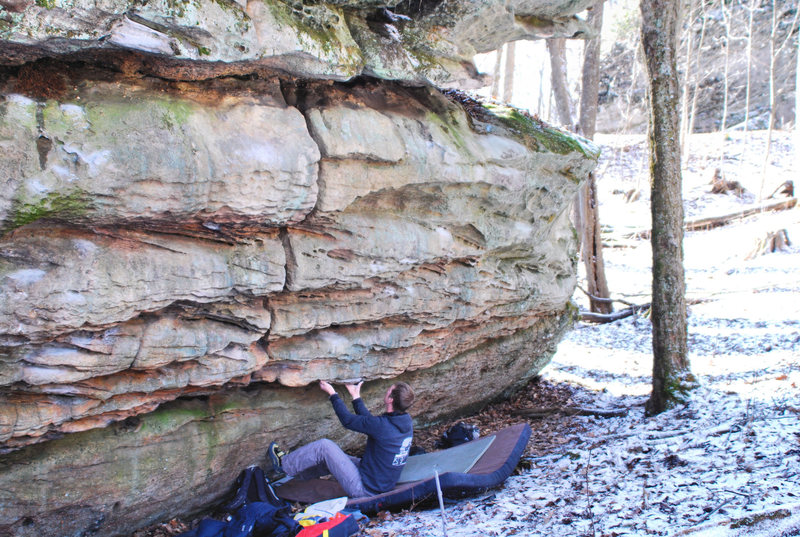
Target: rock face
(182, 257)
(425, 41)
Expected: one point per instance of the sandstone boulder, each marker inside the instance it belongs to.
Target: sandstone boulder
(181, 261)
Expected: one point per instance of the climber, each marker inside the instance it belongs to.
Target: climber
(389, 439)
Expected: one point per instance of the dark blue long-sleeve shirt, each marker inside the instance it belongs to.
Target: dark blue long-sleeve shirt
(389, 439)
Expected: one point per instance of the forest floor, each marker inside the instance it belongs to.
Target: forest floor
(725, 464)
(728, 462)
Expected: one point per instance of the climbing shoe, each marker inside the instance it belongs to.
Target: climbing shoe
(275, 454)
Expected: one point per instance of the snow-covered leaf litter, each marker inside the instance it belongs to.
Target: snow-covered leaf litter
(719, 459)
(722, 458)
(728, 463)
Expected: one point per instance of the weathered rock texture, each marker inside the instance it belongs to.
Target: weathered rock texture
(181, 260)
(423, 41)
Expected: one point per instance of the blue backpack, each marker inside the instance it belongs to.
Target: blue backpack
(256, 509)
(256, 518)
(252, 486)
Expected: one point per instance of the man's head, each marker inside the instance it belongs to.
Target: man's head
(399, 397)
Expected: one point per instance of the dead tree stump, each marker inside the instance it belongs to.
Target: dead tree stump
(772, 242)
(785, 189)
(720, 185)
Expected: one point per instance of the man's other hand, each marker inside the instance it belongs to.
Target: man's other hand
(326, 387)
(354, 389)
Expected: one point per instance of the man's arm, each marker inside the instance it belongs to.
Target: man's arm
(366, 424)
(358, 403)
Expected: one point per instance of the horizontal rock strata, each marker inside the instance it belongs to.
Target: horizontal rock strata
(423, 42)
(201, 444)
(181, 261)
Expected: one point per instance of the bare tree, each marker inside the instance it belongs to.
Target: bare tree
(687, 74)
(750, 8)
(540, 100)
(689, 127)
(726, 22)
(671, 375)
(557, 49)
(496, 73)
(774, 51)
(588, 206)
(508, 76)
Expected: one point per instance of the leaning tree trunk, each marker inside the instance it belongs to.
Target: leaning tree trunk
(671, 376)
(591, 241)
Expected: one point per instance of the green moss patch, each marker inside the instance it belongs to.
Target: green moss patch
(169, 418)
(550, 138)
(55, 205)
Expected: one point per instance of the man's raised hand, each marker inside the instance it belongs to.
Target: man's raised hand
(326, 387)
(354, 389)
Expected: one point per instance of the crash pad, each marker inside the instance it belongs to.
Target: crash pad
(492, 468)
(460, 458)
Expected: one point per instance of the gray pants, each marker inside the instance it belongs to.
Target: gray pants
(324, 457)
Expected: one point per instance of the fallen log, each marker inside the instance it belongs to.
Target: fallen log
(591, 317)
(543, 412)
(783, 520)
(710, 222)
(721, 220)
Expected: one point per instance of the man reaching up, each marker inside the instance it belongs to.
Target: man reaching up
(389, 439)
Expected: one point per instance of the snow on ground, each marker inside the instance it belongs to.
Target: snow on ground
(728, 463)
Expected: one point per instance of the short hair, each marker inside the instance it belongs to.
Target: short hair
(402, 396)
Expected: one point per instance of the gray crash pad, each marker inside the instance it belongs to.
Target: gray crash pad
(459, 459)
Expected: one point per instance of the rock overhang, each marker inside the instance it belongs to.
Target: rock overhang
(187, 245)
(443, 217)
(418, 42)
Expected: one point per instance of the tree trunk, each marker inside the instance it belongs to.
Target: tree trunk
(557, 48)
(540, 101)
(771, 101)
(591, 240)
(496, 74)
(687, 75)
(590, 76)
(671, 376)
(751, 8)
(774, 52)
(726, 20)
(697, 75)
(508, 77)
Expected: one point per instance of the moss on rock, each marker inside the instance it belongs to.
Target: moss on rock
(550, 138)
(54, 205)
